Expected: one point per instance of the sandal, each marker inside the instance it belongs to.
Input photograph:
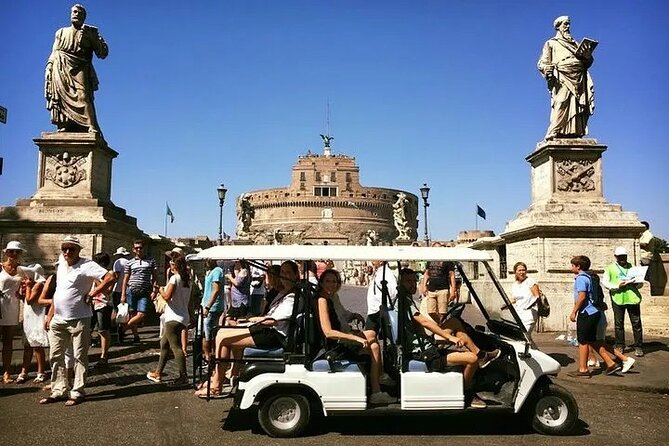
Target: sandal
(39, 379)
(153, 376)
(51, 399)
(7, 378)
(74, 401)
(23, 377)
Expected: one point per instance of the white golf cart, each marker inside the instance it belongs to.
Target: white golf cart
(290, 386)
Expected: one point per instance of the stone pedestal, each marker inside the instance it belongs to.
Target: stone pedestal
(73, 197)
(568, 216)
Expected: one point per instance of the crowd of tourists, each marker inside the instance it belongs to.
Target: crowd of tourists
(254, 302)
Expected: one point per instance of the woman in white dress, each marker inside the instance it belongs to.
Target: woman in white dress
(35, 338)
(11, 277)
(524, 295)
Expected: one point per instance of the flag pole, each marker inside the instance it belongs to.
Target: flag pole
(476, 218)
(166, 219)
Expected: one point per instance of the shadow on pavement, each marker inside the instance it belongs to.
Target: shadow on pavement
(126, 392)
(467, 423)
(562, 358)
(655, 346)
(8, 391)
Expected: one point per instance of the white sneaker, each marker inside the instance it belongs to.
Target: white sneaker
(594, 364)
(381, 398)
(628, 364)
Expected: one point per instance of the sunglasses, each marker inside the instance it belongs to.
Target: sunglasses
(137, 248)
(69, 248)
(13, 251)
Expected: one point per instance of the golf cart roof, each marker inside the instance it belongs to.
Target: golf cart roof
(339, 252)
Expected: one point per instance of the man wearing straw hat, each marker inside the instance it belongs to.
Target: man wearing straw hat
(70, 325)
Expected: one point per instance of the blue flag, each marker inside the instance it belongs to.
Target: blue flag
(480, 212)
(169, 212)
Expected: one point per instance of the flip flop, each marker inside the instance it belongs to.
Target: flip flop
(51, 399)
(74, 401)
(214, 395)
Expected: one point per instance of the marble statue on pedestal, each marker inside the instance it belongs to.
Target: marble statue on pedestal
(564, 64)
(400, 217)
(245, 214)
(70, 79)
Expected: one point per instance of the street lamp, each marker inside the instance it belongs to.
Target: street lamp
(221, 199)
(425, 192)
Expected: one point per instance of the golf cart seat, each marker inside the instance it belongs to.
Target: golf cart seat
(251, 352)
(336, 366)
(392, 325)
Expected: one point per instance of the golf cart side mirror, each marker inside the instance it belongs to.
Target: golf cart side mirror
(525, 354)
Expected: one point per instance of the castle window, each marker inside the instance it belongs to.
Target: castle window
(303, 186)
(348, 177)
(322, 191)
(333, 177)
(303, 176)
(318, 176)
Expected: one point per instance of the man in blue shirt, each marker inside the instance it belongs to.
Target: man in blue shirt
(587, 315)
(212, 304)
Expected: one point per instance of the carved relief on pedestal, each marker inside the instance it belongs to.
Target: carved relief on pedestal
(65, 170)
(575, 175)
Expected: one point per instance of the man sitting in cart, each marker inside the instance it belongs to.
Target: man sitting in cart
(471, 358)
(265, 332)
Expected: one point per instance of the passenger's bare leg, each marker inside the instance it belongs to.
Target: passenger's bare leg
(376, 370)
(467, 359)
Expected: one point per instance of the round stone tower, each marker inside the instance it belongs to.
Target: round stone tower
(325, 204)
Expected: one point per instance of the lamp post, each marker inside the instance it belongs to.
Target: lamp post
(221, 199)
(425, 192)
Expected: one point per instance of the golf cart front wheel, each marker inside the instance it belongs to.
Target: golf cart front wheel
(554, 411)
(284, 415)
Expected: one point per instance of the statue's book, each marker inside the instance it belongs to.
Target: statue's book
(585, 48)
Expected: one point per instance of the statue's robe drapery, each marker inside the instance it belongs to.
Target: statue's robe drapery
(571, 88)
(71, 78)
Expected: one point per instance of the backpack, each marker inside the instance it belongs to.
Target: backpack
(543, 307)
(597, 292)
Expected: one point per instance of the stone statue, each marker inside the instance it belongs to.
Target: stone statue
(372, 237)
(326, 140)
(245, 213)
(70, 78)
(564, 64)
(400, 217)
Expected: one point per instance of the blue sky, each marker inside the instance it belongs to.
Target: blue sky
(194, 94)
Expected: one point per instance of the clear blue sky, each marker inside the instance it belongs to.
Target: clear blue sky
(445, 92)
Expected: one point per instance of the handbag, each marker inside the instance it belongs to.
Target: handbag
(543, 306)
(160, 304)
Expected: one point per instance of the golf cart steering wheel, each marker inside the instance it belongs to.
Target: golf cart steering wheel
(455, 311)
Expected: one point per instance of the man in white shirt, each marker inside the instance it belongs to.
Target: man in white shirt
(70, 324)
(381, 273)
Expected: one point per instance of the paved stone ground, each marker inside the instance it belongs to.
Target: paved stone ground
(124, 408)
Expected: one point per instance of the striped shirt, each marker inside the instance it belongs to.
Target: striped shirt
(139, 273)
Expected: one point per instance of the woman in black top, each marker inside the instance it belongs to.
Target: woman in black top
(328, 284)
